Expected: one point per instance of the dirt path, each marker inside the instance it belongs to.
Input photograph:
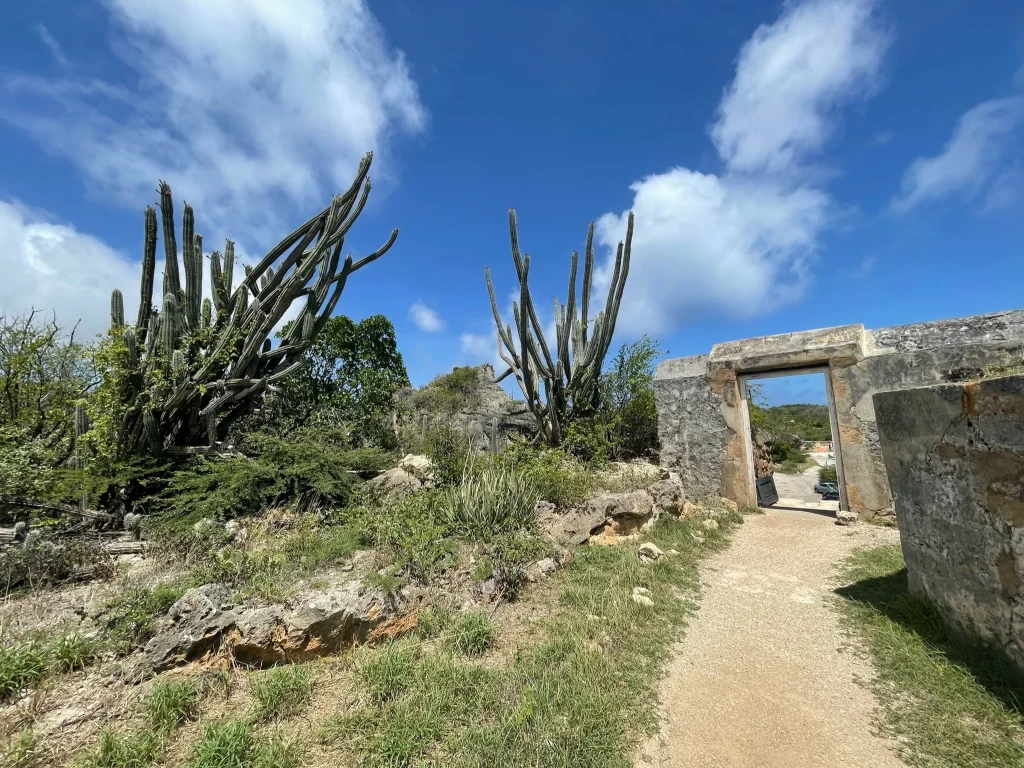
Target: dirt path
(760, 679)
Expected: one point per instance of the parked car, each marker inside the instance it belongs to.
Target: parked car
(830, 495)
(826, 487)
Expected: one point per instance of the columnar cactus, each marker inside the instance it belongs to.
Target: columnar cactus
(197, 365)
(570, 374)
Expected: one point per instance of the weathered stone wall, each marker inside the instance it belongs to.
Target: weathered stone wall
(954, 454)
(701, 423)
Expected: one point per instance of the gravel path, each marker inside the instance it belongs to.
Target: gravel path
(760, 679)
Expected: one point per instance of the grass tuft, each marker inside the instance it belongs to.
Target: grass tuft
(21, 666)
(124, 750)
(171, 703)
(388, 671)
(949, 703)
(232, 744)
(281, 692)
(472, 633)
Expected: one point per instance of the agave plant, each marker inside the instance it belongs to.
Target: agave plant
(194, 364)
(570, 371)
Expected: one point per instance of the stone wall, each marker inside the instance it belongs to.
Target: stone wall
(954, 454)
(700, 412)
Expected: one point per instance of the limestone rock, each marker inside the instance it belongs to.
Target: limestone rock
(710, 525)
(667, 496)
(540, 569)
(642, 596)
(395, 483)
(648, 553)
(197, 621)
(575, 527)
(729, 504)
(844, 517)
(418, 466)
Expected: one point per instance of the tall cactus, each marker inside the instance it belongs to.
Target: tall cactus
(198, 365)
(569, 373)
(116, 309)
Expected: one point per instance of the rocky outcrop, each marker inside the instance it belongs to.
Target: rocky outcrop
(206, 620)
(608, 517)
(395, 483)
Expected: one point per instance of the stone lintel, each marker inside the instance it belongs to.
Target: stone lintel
(790, 350)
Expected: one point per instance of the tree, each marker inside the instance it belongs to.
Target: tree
(349, 376)
(627, 399)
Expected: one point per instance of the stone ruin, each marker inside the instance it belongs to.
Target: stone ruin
(928, 428)
(703, 422)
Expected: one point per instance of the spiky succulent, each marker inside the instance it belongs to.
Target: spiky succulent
(570, 373)
(197, 365)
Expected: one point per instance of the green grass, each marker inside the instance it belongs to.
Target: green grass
(21, 666)
(281, 692)
(472, 633)
(580, 692)
(129, 616)
(950, 704)
(232, 744)
(171, 703)
(125, 750)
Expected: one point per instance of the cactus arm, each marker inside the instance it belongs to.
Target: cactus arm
(172, 281)
(148, 268)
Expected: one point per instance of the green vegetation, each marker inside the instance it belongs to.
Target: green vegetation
(26, 662)
(171, 703)
(790, 459)
(128, 617)
(949, 704)
(449, 453)
(413, 532)
(472, 633)
(807, 422)
(580, 692)
(559, 478)
(828, 474)
(232, 744)
(571, 373)
(281, 692)
(492, 501)
(627, 400)
(449, 393)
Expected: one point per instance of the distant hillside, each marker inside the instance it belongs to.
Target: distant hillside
(810, 422)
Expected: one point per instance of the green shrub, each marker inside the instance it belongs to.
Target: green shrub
(587, 440)
(42, 561)
(507, 558)
(125, 750)
(828, 474)
(494, 500)
(71, 652)
(472, 633)
(413, 531)
(281, 692)
(559, 478)
(449, 393)
(302, 474)
(627, 400)
(448, 451)
(21, 666)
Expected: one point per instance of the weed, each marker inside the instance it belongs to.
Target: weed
(387, 583)
(23, 752)
(949, 703)
(129, 616)
(281, 692)
(449, 454)
(472, 633)
(413, 532)
(124, 750)
(224, 745)
(433, 621)
(21, 666)
(71, 652)
(171, 703)
(388, 671)
(559, 478)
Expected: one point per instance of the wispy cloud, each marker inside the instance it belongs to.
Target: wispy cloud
(881, 138)
(55, 48)
(248, 107)
(425, 318)
(742, 241)
(866, 266)
(972, 163)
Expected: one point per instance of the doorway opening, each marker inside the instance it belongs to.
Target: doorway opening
(792, 437)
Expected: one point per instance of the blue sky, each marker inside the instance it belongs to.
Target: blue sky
(790, 166)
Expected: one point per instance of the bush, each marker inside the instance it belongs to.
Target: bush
(828, 474)
(506, 559)
(44, 561)
(559, 478)
(303, 473)
(587, 440)
(627, 400)
(491, 501)
(412, 530)
(129, 616)
(448, 451)
(450, 393)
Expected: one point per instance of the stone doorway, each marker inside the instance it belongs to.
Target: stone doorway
(833, 456)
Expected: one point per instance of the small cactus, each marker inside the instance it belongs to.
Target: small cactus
(116, 309)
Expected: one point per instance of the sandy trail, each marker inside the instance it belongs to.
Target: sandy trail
(761, 678)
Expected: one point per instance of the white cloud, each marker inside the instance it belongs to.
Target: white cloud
(478, 348)
(55, 268)
(790, 77)
(972, 162)
(743, 240)
(866, 266)
(425, 318)
(52, 45)
(239, 104)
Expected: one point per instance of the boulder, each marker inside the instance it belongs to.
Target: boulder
(729, 504)
(395, 483)
(418, 466)
(642, 596)
(196, 623)
(668, 496)
(540, 569)
(710, 525)
(648, 553)
(575, 527)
